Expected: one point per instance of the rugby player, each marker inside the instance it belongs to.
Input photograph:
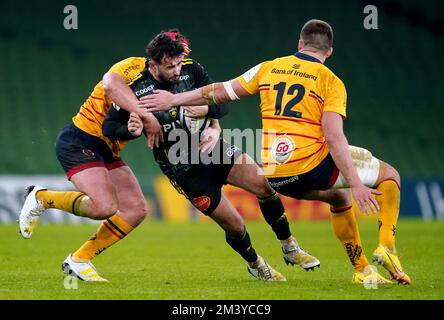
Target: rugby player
(201, 183)
(107, 187)
(305, 102)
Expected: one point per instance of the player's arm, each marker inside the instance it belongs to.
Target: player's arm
(202, 78)
(116, 87)
(215, 93)
(119, 125)
(332, 127)
(121, 94)
(211, 111)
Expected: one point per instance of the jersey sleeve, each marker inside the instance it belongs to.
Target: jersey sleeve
(115, 125)
(128, 68)
(336, 99)
(250, 79)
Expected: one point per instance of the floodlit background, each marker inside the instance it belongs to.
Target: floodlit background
(394, 79)
(393, 76)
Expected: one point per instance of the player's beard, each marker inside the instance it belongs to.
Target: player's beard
(170, 81)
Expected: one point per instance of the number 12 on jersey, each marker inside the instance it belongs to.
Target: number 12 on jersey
(295, 90)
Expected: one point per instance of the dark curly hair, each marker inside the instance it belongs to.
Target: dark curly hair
(163, 45)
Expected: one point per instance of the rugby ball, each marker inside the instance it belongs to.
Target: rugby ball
(193, 125)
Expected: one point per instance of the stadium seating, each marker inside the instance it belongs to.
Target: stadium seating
(393, 74)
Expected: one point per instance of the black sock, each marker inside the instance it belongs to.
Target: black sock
(242, 246)
(274, 213)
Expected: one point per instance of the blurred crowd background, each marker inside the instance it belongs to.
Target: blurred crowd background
(393, 74)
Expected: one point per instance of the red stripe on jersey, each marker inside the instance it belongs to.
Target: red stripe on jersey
(295, 160)
(290, 119)
(97, 98)
(264, 89)
(298, 135)
(316, 98)
(86, 116)
(92, 106)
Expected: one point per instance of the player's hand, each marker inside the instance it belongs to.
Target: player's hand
(196, 111)
(152, 128)
(364, 196)
(209, 139)
(159, 100)
(135, 125)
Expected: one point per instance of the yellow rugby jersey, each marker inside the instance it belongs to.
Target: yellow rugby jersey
(294, 90)
(93, 112)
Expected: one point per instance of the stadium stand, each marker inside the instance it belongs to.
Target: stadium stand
(393, 74)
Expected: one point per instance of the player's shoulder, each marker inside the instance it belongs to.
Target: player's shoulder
(130, 66)
(329, 75)
(193, 67)
(191, 64)
(276, 62)
(133, 61)
(188, 61)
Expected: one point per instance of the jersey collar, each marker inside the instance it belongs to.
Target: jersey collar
(304, 56)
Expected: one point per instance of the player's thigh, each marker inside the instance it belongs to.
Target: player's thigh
(228, 218)
(367, 166)
(129, 194)
(337, 198)
(95, 182)
(202, 186)
(247, 175)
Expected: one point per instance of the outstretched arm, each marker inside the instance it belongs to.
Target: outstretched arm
(338, 146)
(215, 93)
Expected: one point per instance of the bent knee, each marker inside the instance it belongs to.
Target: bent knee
(339, 198)
(262, 188)
(388, 173)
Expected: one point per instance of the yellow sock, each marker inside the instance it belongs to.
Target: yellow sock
(110, 231)
(389, 202)
(346, 230)
(69, 201)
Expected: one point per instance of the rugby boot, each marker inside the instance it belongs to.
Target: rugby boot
(31, 211)
(390, 261)
(261, 270)
(83, 270)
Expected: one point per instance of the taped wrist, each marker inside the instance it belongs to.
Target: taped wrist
(208, 94)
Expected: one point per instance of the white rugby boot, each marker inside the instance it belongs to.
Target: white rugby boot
(83, 270)
(31, 211)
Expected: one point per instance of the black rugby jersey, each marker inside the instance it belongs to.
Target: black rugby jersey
(192, 76)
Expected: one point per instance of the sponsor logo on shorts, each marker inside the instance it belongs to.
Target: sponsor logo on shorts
(89, 154)
(284, 182)
(201, 203)
(282, 149)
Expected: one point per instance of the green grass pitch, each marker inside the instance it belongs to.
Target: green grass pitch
(192, 261)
